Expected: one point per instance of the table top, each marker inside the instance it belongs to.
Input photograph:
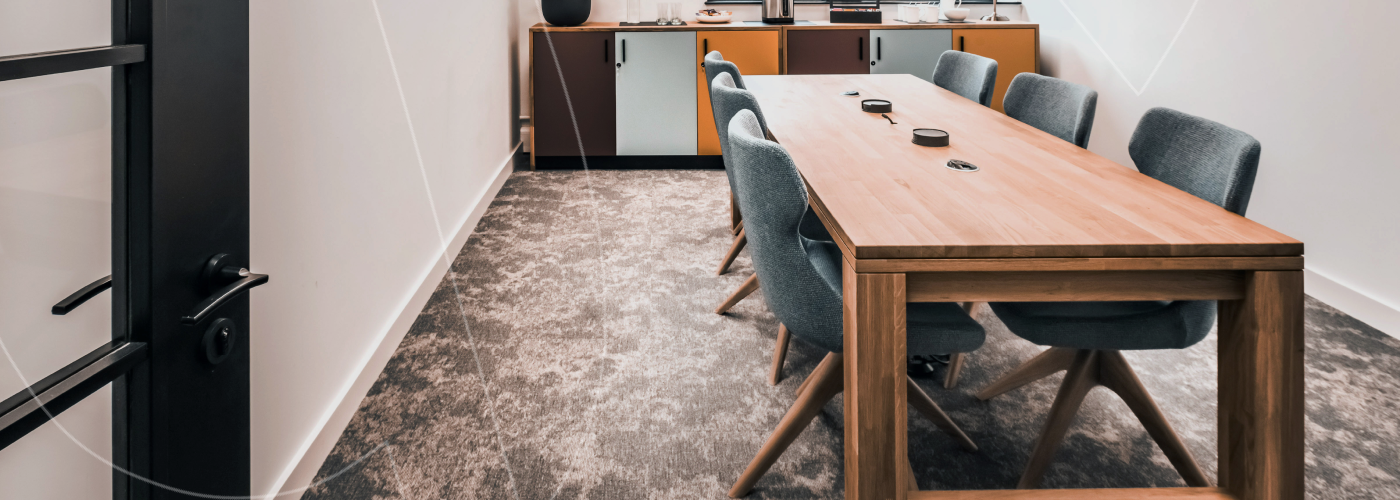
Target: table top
(884, 197)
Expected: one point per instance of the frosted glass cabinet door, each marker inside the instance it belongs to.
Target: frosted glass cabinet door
(656, 100)
(914, 52)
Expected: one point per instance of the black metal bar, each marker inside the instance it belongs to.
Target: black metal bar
(64, 61)
(132, 23)
(71, 302)
(23, 412)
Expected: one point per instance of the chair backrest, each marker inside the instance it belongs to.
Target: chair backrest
(726, 101)
(1055, 106)
(1212, 161)
(773, 200)
(715, 64)
(968, 75)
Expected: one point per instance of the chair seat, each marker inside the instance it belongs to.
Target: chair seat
(1119, 326)
(933, 328)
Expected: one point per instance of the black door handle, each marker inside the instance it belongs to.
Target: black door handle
(879, 48)
(224, 280)
(860, 48)
(222, 296)
(605, 50)
(624, 50)
(77, 298)
(962, 43)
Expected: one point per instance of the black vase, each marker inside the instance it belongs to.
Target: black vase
(566, 12)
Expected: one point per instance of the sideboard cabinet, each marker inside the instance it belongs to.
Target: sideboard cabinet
(639, 98)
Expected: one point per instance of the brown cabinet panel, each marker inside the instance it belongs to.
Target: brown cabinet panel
(586, 59)
(828, 52)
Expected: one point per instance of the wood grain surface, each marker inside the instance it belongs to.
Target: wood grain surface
(1035, 196)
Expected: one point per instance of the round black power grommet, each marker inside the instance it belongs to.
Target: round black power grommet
(876, 106)
(930, 137)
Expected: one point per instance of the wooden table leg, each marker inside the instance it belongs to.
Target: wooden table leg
(1261, 389)
(875, 401)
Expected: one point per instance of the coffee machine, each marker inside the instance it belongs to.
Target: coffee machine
(778, 11)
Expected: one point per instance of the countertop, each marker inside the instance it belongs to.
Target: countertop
(800, 25)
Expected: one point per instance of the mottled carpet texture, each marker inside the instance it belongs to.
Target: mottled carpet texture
(573, 354)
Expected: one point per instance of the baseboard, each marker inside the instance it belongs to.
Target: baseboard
(687, 162)
(1377, 314)
(299, 474)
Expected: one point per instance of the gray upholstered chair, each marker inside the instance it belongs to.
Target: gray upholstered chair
(802, 282)
(1201, 157)
(724, 104)
(715, 65)
(968, 75)
(1055, 106)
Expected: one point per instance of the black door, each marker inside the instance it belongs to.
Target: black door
(178, 359)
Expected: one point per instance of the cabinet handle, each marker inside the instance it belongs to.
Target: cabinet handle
(962, 43)
(624, 50)
(605, 50)
(860, 48)
(879, 48)
(707, 46)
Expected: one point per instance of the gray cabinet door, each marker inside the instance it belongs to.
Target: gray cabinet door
(913, 52)
(656, 101)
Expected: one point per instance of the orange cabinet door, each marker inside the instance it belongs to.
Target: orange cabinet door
(1014, 50)
(754, 52)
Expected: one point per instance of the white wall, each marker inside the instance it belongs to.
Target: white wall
(342, 219)
(55, 219)
(1319, 97)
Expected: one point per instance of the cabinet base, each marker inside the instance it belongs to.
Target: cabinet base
(693, 162)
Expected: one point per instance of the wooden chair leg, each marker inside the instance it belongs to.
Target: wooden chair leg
(734, 248)
(737, 227)
(736, 220)
(828, 384)
(925, 405)
(955, 366)
(1080, 378)
(913, 483)
(779, 354)
(1118, 376)
(1043, 365)
(744, 290)
(807, 382)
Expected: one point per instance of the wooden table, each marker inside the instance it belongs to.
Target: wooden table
(1042, 221)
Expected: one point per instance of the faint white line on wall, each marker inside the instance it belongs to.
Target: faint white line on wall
(1136, 90)
(445, 245)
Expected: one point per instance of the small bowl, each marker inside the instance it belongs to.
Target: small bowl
(722, 18)
(956, 13)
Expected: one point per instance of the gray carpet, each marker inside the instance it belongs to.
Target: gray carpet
(592, 367)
